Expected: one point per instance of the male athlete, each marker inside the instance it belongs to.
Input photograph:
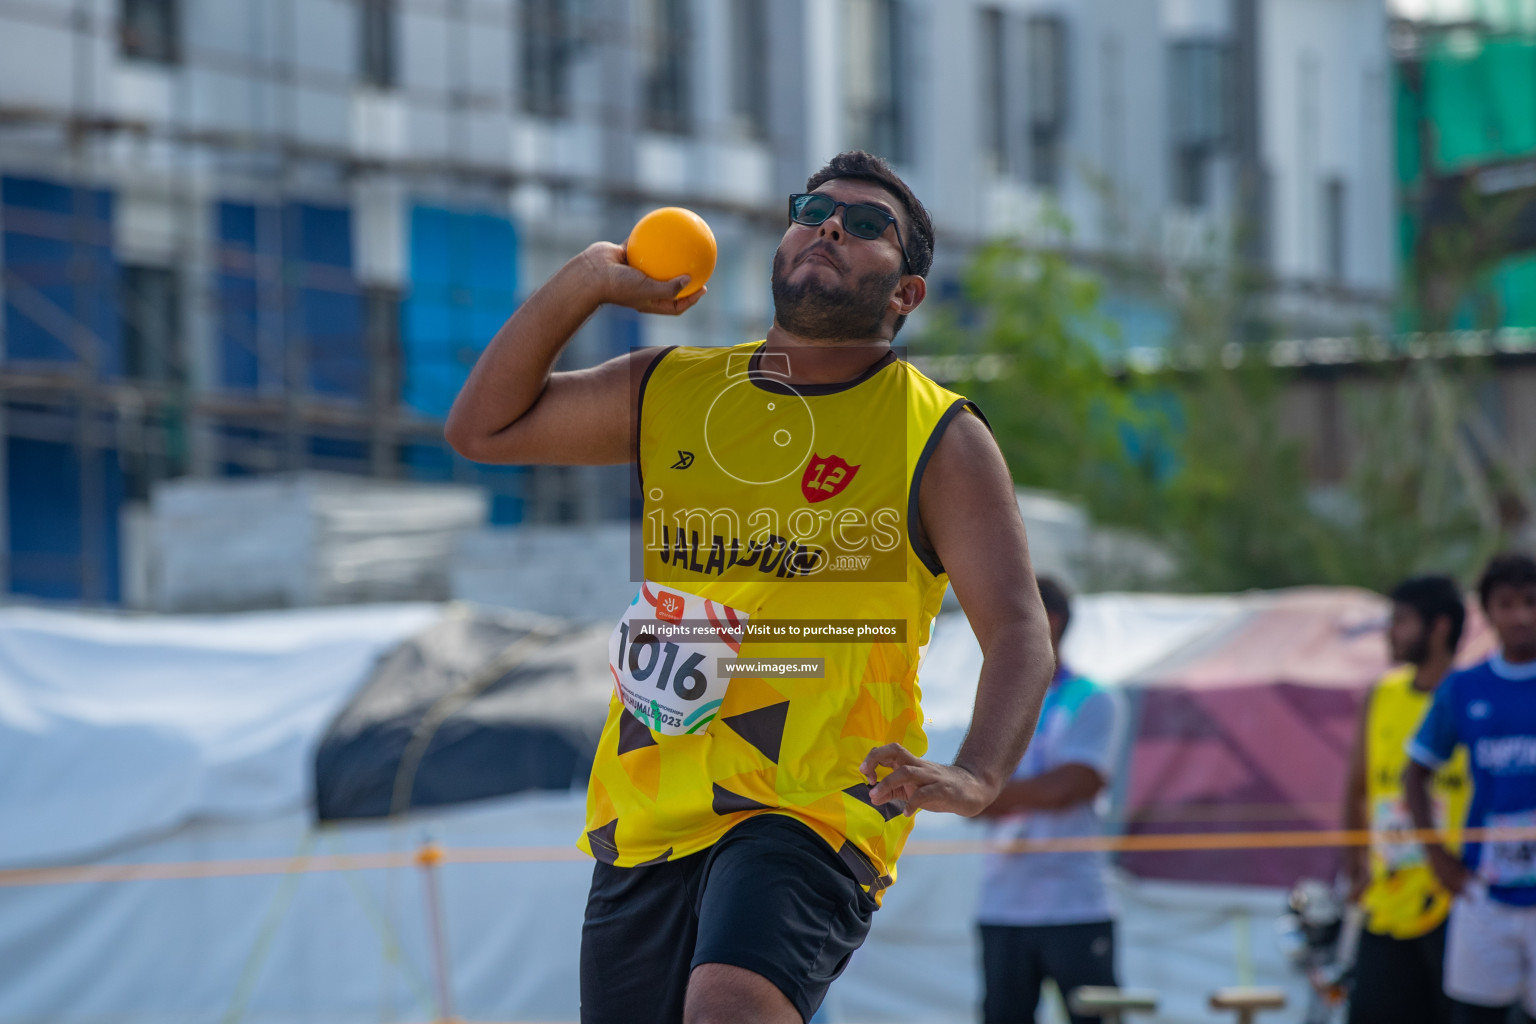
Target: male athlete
(1398, 975)
(806, 497)
(1490, 943)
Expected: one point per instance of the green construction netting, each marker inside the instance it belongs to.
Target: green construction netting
(1481, 99)
(1514, 284)
(1478, 104)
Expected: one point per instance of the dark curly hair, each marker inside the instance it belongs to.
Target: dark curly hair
(1434, 597)
(1511, 569)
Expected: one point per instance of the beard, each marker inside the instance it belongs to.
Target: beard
(1417, 652)
(812, 309)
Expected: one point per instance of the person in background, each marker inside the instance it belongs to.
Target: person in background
(1048, 915)
(1490, 709)
(1402, 944)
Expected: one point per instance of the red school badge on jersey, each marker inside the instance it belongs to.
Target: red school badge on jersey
(826, 477)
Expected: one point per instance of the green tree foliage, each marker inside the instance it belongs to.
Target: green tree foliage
(1028, 343)
(1190, 453)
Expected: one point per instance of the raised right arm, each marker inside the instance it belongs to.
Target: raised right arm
(514, 410)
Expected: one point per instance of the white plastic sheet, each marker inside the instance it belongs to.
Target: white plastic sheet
(115, 729)
(334, 946)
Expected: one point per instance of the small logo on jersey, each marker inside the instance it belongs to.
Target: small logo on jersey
(669, 607)
(826, 477)
(684, 460)
(1478, 709)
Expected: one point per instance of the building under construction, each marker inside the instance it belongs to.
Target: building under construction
(268, 235)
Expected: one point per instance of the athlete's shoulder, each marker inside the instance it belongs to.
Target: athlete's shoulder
(679, 354)
(925, 385)
(1077, 691)
(1464, 685)
(1471, 675)
(697, 365)
(911, 370)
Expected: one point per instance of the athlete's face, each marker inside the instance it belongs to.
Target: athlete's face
(1512, 611)
(1406, 636)
(830, 285)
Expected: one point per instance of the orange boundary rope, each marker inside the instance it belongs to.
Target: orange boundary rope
(1159, 843)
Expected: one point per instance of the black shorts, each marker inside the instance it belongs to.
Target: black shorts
(770, 897)
(1016, 959)
(1397, 981)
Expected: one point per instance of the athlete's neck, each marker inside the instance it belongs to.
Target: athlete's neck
(1427, 675)
(820, 361)
(1519, 655)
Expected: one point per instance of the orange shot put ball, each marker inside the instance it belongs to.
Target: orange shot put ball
(670, 242)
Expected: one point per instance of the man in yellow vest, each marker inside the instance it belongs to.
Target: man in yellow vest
(1402, 946)
(806, 500)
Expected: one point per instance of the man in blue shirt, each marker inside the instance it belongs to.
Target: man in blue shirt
(1048, 915)
(1490, 956)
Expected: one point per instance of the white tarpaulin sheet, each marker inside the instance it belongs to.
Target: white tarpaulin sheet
(114, 729)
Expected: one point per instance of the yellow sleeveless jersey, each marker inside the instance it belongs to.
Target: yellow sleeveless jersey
(775, 525)
(1404, 900)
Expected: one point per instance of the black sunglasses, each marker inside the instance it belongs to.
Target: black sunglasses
(861, 219)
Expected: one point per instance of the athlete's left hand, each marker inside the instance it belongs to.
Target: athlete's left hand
(917, 785)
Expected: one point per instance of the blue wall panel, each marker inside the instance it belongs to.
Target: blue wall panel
(58, 251)
(62, 274)
(43, 503)
(239, 226)
(321, 305)
(463, 287)
(330, 304)
(463, 268)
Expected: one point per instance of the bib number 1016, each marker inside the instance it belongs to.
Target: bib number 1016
(644, 656)
(668, 683)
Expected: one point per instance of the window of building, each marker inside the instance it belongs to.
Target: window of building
(1046, 68)
(376, 23)
(1198, 114)
(994, 89)
(548, 47)
(874, 54)
(1189, 185)
(749, 68)
(1334, 228)
(150, 30)
(666, 48)
(151, 304)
